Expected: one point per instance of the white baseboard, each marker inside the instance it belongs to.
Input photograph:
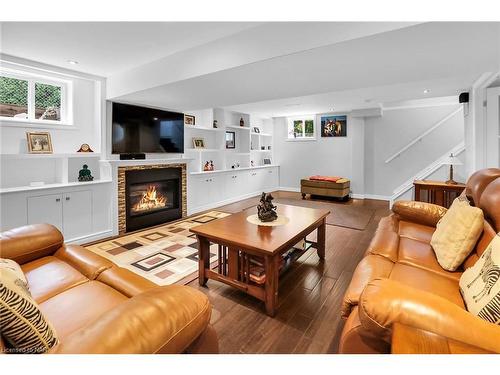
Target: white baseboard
(378, 197)
(291, 189)
(353, 195)
(213, 205)
(90, 238)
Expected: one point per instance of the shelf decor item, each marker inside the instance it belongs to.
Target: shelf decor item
(266, 210)
(189, 120)
(334, 126)
(451, 161)
(242, 122)
(215, 124)
(85, 148)
(198, 142)
(209, 166)
(39, 143)
(256, 129)
(230, 139)
(267, 161)
(85, 175)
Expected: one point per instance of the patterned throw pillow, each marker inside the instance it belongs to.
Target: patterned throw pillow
(457, 233)
(22, 325)
(480, 284)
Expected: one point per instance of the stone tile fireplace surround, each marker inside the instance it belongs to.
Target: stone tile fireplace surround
(151, 214)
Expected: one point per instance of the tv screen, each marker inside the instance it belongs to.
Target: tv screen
(147, 130)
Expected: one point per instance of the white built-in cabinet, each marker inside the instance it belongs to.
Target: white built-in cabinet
(80, 210)
(70, 212)
(206, 191)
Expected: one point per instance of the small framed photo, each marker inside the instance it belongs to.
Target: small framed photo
(198, 142)
(230, 140)
(267, 161)
(256, 130)
(189, 120)
(39, 143)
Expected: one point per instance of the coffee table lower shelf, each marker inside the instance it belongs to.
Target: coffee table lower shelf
(234, 266)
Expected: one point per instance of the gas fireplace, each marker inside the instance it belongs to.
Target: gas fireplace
(152, 196)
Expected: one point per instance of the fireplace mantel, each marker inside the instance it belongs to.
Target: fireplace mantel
(119, 163)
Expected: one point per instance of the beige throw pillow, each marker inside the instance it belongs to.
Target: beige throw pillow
(23, 326)
(457, 233)
(480, 284)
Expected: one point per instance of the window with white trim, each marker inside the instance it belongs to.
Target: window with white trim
(31, 98)
(301, 128)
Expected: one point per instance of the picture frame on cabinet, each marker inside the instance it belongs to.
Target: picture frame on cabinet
(198, 143)
(39, 143)
(189, 120)
(230, 140)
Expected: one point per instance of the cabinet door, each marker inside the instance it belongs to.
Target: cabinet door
(270, 178)
(77, 214)
(46, 209)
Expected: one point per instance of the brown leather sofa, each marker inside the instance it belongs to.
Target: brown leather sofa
(97, 307)
(399, 287)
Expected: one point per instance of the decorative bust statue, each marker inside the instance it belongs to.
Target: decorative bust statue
(85, 174)
(266, 210)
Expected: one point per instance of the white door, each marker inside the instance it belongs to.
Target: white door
(77, 214)
(46, 209)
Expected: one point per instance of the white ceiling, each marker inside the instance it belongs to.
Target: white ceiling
(397, 65)
(269, 69)
(105, 48)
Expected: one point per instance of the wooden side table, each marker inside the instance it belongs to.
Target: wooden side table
(437, 192)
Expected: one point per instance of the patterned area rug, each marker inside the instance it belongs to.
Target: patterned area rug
(164, 255)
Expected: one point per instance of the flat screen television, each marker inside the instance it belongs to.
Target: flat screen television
(146, 130)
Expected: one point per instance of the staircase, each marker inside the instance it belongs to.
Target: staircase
(426, 172)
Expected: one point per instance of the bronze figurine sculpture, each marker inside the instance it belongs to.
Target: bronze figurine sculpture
(266, 210)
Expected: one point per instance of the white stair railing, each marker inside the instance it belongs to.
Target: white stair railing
(426, 172)
(427, 132)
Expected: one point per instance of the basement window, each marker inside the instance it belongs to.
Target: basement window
(301, 128)
(32, 98)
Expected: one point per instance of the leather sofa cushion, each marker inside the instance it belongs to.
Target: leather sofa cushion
(427, 281)
(416, 231)
(76, 307)
(50, 276)
(457, 233)
(420, 255)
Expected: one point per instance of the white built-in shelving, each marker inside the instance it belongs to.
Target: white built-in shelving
(250, 148)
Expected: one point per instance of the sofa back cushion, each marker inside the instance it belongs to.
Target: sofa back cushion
(480, 284)
(24, 328)
(457, 233)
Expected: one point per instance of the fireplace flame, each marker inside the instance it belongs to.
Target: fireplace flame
(150, 200)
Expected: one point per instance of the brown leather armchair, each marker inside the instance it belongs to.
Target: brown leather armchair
(399, 283)
(97, 307)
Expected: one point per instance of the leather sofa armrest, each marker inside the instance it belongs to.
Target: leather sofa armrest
(30, 242)
(162, 320)
(419, 212)
(385, 302)
(410, 340)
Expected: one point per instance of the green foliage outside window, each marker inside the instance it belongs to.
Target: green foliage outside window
(309, 129)
(13, 91)
(297, 127)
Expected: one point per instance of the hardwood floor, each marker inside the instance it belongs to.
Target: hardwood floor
(310, 293)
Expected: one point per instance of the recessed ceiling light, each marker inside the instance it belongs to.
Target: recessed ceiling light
(426, 91)
(72, 62)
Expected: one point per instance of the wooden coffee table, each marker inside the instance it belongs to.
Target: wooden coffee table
(242, 244)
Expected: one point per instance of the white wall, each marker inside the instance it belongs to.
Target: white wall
(370, 141)
(340, 156)
(386, 135)
(86, 126)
